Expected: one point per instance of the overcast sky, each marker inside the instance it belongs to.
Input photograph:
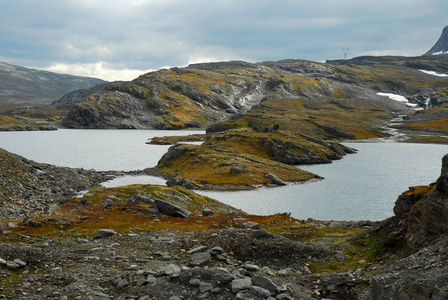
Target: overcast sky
(121, 39)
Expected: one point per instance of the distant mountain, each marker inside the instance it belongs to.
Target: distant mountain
(441, 47)
(19, 85)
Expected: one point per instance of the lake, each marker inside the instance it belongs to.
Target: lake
(362, 186)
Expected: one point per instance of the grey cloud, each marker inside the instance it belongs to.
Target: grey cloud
(149, 34)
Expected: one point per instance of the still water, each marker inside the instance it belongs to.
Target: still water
(102, 150)
(362, 186)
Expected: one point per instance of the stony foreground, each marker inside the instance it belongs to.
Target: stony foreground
(155, 242)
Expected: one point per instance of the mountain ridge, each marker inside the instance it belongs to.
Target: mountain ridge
(441, 46)
(25, 86)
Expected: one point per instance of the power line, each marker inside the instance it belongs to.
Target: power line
(345, 50)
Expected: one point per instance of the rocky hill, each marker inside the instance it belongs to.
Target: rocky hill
(441, 47)
(202, 94)
(23, 86)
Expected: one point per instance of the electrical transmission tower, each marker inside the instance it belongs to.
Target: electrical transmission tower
(345, 50)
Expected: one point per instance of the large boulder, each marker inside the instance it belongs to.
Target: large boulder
(171, 210)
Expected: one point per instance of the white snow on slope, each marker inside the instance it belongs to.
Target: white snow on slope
(434, 73)
(441, 52)
(396, 97)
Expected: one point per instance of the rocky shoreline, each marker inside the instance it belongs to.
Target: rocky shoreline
(115, 243)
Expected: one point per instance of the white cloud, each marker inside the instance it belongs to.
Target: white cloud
(98, 70)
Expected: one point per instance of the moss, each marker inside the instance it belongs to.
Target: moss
(253, 151)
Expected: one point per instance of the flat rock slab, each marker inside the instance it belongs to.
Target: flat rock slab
(200, 259)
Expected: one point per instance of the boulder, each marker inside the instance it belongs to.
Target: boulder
(240, 284)
(266, 283)
(152, 209)
(200, 259)
(171, 210)
(238, 169)
(206, 212)
(104, 233)
(275, 180)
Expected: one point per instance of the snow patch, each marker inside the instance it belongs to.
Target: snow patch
(434, 73)
(396, 97)
(441, 52)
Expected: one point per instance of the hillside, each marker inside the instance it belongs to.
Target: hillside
(23, 86)
(203, 94)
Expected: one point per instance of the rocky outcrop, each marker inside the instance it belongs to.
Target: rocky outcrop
(245, 158)
(421, 216)
(426, 210)
(28, 187)
(202, 94)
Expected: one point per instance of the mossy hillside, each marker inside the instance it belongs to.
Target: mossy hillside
(199, 95)
(343, 119)
(88, 214)
(255, 153)
(22, 123)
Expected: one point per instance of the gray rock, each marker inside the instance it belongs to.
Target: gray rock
(200, 259)
(11, 265)
(194, 282)
(152, 209)
(251, 267)
(444, 165)
(205, 287)
(275, 180)
(266, 283)
(196, 249)
(245, 295)
(261, 292)
(122, 283)
(215, 251)
(251, 225)
(241, 284)
(206, 212)
(32, 223)
(20, 262)
(238, 169)
(171, 210)
(108, 202)
(56, 270)
(170, 270)
(104, 233)
(2, 262)
(284, 296)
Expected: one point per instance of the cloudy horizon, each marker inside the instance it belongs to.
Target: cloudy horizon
(119, 40)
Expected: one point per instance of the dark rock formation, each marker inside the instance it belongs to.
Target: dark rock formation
(171, 210)
(427, 218)
(422, 212)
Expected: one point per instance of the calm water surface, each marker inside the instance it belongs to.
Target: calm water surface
(359, 187)
(91, 148)
(362, 186)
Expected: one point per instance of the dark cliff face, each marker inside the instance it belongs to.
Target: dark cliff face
(441, 47)
(425, 209)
